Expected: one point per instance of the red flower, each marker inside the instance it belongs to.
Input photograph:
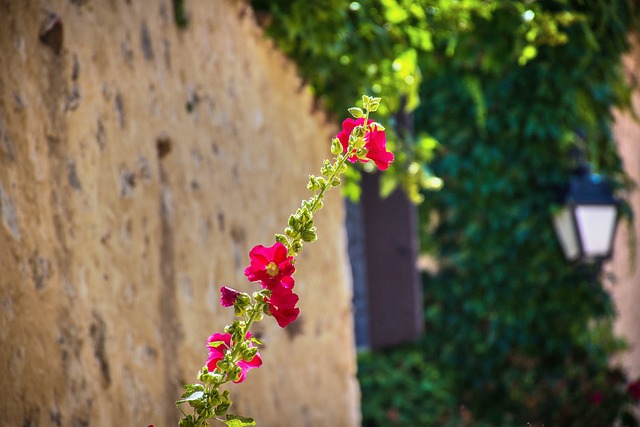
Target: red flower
(282, 305)
(228, 296)
(375, 143)
(219, 344)
(271, 266)
(634, 389)
(347, 127)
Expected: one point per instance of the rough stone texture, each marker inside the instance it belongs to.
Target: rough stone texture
(626, 261)
(139, 163)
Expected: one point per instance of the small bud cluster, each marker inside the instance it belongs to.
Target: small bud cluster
(233, 353)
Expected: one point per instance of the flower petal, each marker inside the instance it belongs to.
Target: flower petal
(282, 305)
(376, 145)
(228, 296)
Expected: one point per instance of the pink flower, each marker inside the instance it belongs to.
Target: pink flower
(282, 305)
(634, 389)
(271, 266)
(219, 344)
(375, 143)
(228, 296)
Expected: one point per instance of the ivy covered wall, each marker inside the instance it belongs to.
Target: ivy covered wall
(525, 335)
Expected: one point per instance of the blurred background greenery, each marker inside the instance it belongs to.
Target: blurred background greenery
(483, 100)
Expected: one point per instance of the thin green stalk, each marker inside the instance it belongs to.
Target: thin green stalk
(335, 173)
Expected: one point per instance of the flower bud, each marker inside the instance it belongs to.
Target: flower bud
(224, 365)
(241, 303)
(316, 183)
(327, 168)
(281, 238)
(296, 246)
(358, 132)
(224, 404)
(305, 215)
(309, 236)
(362, 152)
(258, 314)
(291, 232)
(336, 147)
(236, 330)
(243, 300)
(306, 204)
(237, 336)
(259, 296)
(322, 183)
(238, 325)
(215, 398)
(249, 353)
(235, 373)
(222, 409)
(210, 378)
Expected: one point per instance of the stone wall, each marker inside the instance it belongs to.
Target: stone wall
(139, 163)
(626, 261)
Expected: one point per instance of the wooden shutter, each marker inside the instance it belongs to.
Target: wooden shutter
(394, 293)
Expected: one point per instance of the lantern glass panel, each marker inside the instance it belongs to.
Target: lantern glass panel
(596, 225)
(566, 232)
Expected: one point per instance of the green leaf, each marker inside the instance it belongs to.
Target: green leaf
(238, 421)
(356, 112)
(195, 396)
(191, 388)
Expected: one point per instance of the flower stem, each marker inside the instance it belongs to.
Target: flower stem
(336, 169)
(253, 317)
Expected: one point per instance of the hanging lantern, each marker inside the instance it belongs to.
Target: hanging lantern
(586, 223)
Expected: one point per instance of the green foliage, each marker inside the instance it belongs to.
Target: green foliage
(515, 335)
(417, 383)
(372, 46)
(526, 336)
